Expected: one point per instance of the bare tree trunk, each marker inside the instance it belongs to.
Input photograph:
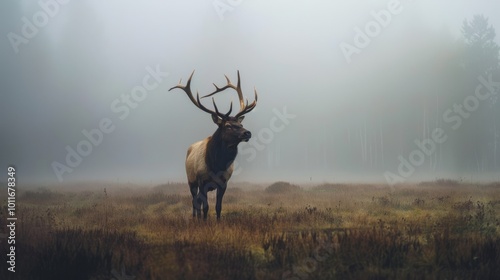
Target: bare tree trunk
(424, 128)
(382, 145)
(367, 146)
(477, 161)
(362, 141)
(370, 151)
(438, 145)
(325, 151)
(495, 143)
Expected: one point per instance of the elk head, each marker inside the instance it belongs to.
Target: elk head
(230, 130)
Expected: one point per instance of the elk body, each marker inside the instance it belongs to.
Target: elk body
(209, 162)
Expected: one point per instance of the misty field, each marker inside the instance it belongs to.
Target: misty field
(435, 230)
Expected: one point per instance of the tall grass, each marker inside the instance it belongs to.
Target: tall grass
(440, 230)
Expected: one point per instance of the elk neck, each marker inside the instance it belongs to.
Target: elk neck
(219, 154)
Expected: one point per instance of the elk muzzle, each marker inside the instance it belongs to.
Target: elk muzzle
(245, 136)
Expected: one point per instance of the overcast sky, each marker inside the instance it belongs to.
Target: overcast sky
(325, 113)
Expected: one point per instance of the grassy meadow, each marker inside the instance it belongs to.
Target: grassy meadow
(433, 230)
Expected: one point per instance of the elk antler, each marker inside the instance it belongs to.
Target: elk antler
(243, 108)
(196, 102)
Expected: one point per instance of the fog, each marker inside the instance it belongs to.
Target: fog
(381, 91)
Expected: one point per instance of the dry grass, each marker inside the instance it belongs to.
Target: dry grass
(439, 230)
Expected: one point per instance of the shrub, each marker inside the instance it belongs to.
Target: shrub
(331, 187)
(441, 182)
(282, 187)
(41, 194)
(171, 188)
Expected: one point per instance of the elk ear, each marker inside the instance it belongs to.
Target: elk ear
(240, 118)
(216, 119)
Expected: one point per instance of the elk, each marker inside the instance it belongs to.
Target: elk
(209, 162)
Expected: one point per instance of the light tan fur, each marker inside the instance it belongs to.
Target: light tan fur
(196, 167)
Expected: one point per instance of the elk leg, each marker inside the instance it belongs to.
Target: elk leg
(204, 198)
(193, 187)
(205, 204)
(220, 193)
